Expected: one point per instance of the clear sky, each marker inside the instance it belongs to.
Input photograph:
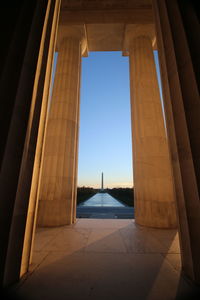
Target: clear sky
(105, 123)
(105, 143)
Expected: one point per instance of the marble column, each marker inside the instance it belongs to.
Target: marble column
(178, 30)
(153, 184)
(57, 182)
(22, 88)
(47, 50)
(76, 156)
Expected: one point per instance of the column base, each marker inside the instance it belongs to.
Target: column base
(156, 214)
(51, 214)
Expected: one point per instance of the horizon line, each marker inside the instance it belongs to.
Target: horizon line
(114, 187)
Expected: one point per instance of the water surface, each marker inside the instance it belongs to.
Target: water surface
(102, 199)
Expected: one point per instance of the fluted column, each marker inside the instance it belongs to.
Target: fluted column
(57, 183)
(178, 46)
(76, 157)
(154, 194)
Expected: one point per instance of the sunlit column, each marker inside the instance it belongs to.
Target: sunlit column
(76, 156)
(154, 194)
(59, 164)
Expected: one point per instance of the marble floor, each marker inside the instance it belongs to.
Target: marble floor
(105, 259)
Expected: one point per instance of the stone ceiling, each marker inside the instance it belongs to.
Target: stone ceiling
(106, 21)
(104, 4)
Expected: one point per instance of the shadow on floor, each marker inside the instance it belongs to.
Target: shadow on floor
(105, 259)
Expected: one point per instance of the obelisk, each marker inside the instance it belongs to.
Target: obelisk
(102, 181)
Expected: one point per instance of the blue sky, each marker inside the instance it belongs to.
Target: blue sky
(105, 121)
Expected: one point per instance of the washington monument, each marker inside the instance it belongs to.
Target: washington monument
(102, 188)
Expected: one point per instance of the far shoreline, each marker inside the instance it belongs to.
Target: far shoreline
(123, 195)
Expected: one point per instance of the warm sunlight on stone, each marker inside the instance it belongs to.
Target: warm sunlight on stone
(48, 250)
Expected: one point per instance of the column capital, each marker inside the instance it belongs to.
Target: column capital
(133, 31)
(76, 32)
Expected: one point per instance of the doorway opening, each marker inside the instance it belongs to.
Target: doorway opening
(105, 175)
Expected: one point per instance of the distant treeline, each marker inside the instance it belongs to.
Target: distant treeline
(124, 195)
(84, 193)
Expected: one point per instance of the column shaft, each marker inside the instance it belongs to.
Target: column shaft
(76, 156)
(178, 48)
(21, 112)
(154, 194)
(57, 183)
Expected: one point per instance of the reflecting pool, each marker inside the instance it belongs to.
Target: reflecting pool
(102, 199)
